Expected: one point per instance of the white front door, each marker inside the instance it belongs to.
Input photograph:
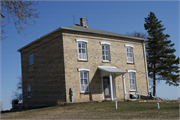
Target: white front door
(106, 88)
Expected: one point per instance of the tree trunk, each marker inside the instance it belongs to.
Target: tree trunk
(154, 84)
(154, 80)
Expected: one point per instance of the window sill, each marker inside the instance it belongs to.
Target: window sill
(106, 61)
(132, 90)
(84, 92)
(130, 63)
(82, 60)
(28, 97)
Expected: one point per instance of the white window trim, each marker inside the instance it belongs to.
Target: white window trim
(81, 40)
(105, 43)
(87, 70)
(83, 69)
(129, 62)
(129, 45)
(28, 91)
(132, 71)
(106, 61)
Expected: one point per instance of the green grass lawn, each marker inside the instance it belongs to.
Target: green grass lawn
(102, 110)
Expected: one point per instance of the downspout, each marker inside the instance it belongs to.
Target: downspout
(124, 86)
(147, 78)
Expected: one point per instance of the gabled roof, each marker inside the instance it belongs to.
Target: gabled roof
(87, 30)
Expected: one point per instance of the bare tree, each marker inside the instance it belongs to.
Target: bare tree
(17, 95)
(138, 34)
(21, 12)
(1, 106)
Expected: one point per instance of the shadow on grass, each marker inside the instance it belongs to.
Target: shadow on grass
(23, 109)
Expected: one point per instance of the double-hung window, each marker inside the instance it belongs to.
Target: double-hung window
(84, 79)
(82, 49)
(31, 59)
(105, 51)
(132, 80)
(129, 51)
(28, 91)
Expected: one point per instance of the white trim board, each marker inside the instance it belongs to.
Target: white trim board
(81, 40)
(131, 71)
(105, 43)
(128, 45)
(83, 69)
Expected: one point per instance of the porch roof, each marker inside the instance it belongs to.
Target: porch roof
(105, 70)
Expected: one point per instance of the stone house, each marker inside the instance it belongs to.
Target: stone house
(98, 65)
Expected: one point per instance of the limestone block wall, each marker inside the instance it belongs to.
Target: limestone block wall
(94, 54)
(46, 75)
(55, 68)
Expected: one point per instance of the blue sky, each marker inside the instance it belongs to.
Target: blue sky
(118, 16)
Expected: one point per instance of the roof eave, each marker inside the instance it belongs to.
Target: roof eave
(19, 50)
(123, 36)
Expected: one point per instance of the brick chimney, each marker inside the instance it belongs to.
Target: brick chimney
(83, 22)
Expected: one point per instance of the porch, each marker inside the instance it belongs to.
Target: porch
(108, 75)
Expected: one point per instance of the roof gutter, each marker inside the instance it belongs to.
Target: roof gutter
(110, 34)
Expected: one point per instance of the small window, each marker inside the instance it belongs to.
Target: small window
(105, 52)
(31, 59)
(129, 51)
(84, 79)
(82, 49)
(28, 91)
(132, 81)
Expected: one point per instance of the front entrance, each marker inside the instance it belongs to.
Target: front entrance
(106, 87)
(108, 76)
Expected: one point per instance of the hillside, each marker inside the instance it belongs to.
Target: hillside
(102, 110)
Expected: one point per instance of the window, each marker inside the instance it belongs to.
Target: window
(28, 91)
(84, 79)
(129, 55)
(132, 80)
(31, 59)
(105, 51)
(82, 51)
(129, 50)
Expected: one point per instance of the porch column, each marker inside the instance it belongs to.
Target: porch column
(102, 87)
(110, 81)
(124, 86)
